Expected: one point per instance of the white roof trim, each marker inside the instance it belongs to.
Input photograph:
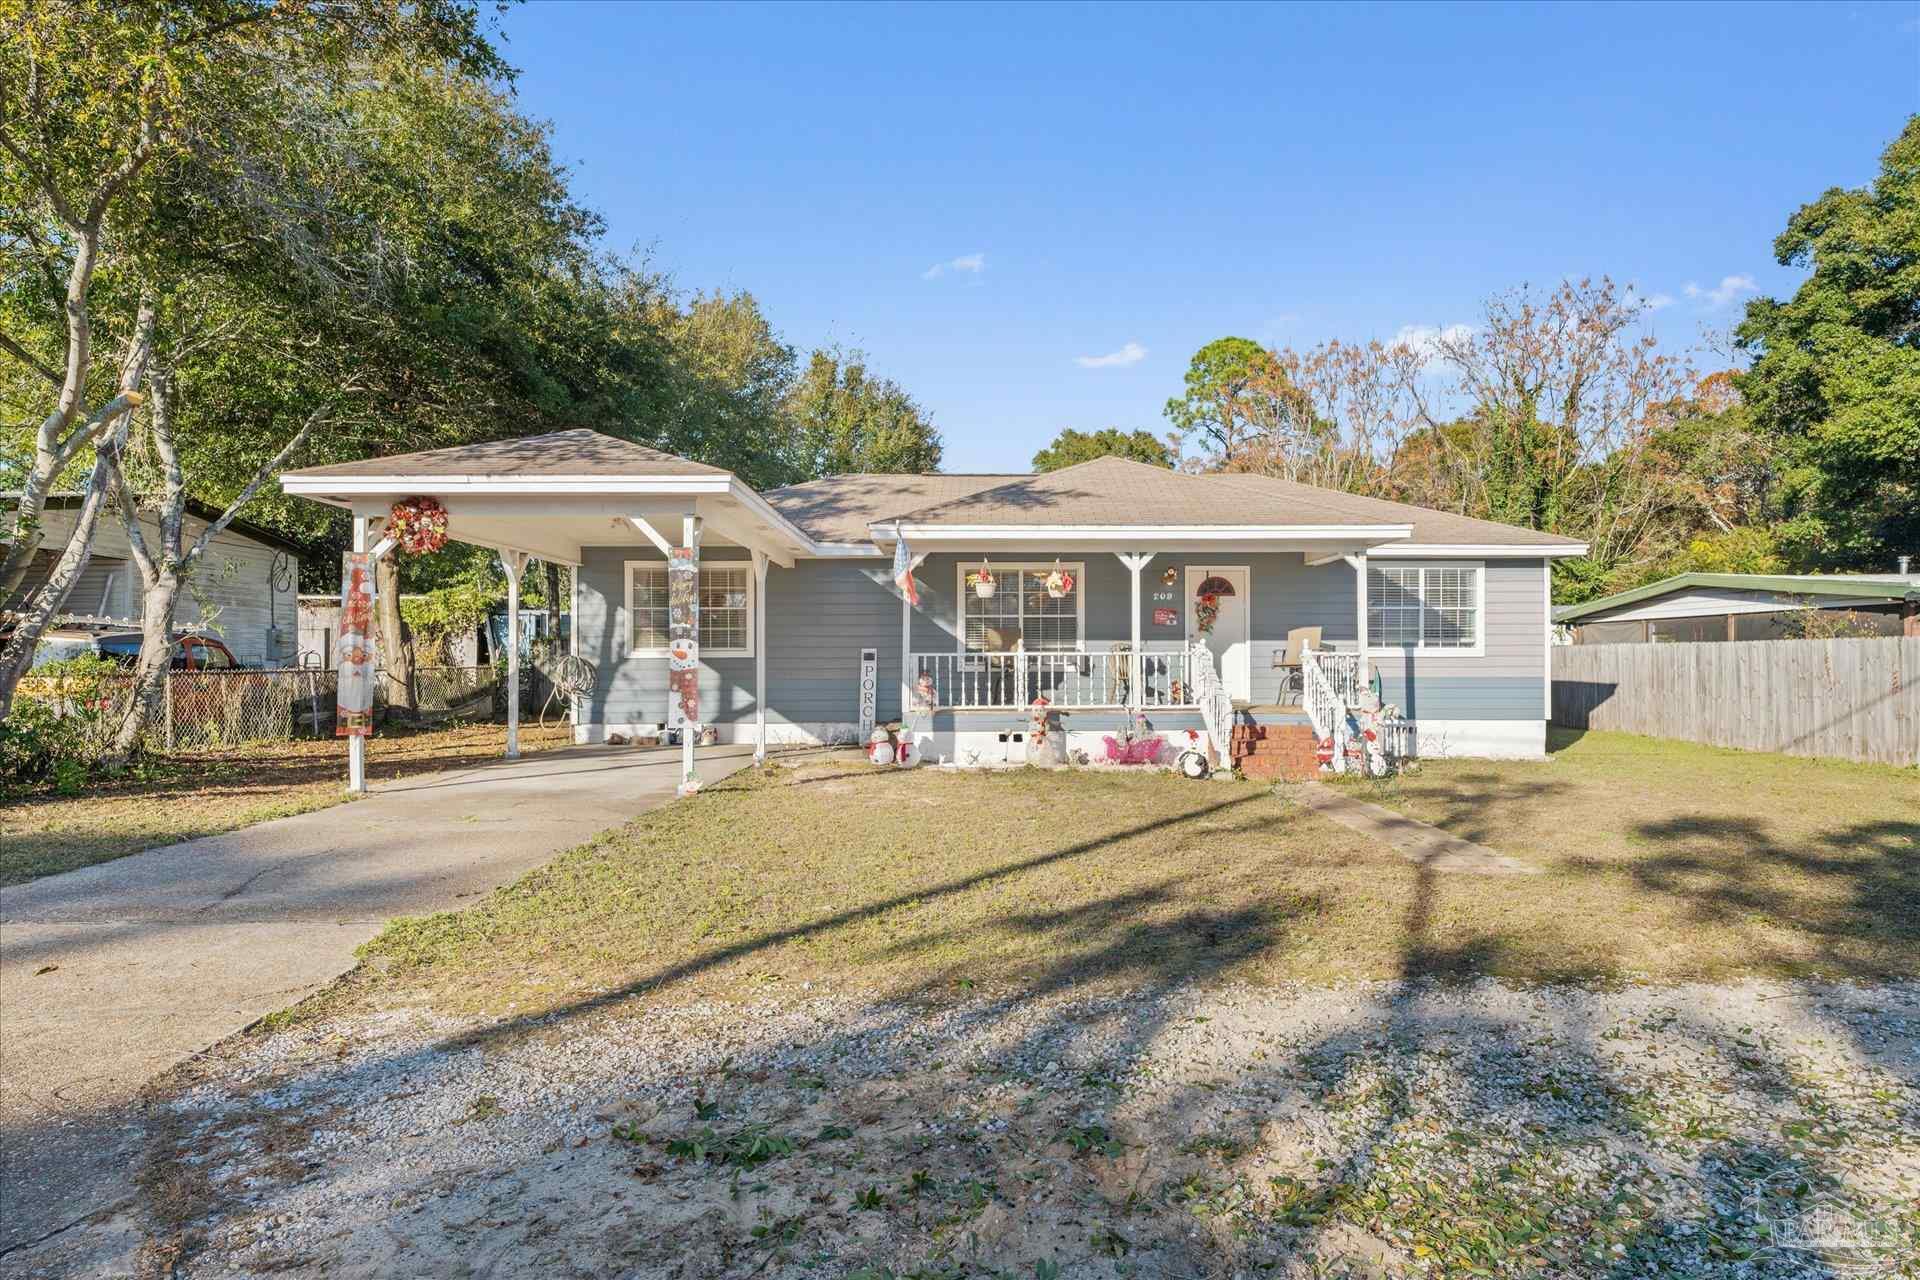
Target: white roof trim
(1135, 532)
(723, 485)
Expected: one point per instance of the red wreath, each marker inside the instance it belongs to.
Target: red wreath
(418, 525)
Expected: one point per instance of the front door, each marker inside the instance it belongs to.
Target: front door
(1231, 635)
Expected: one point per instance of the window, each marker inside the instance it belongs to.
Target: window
(726, 609)
(1435, 606)
(1021, 613)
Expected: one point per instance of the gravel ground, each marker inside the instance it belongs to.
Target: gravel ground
(1379, 1130)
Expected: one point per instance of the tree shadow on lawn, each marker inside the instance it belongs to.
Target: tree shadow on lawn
(1505, 1133)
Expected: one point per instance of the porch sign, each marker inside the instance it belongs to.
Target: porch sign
(683, 640)
(869, 692)
(354, 702)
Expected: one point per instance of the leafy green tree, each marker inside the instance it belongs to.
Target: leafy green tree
(1072, 446)
(849, 420)
(1236, 393)
(100, 107)
(1836, 370)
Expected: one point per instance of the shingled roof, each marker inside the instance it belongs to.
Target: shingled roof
(580, 452)
(1117, 491)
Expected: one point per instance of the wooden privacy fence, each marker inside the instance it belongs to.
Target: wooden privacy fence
(1850, 699)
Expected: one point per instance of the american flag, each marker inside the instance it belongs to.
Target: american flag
(903, 572)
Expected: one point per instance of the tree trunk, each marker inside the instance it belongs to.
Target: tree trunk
(395, 643)
(553, 614)
(155, 665)
(17, 657)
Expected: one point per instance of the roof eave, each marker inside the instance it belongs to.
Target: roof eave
(1738, 582)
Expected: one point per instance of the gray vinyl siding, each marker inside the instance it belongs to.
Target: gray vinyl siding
(821, 613)
(1505, 683)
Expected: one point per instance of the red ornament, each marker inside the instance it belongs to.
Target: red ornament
(418, 525)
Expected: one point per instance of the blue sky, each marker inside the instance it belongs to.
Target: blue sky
(988, 198)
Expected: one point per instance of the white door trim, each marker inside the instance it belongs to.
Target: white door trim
(1242, 688)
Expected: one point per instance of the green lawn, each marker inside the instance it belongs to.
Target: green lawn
(1659, 860)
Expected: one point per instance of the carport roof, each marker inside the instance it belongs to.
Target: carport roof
(580, 453)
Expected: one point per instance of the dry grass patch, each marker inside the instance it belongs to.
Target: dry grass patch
(181, 797)
(915, 883)
(1707, 861)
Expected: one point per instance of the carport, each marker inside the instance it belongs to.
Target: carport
(546, 497)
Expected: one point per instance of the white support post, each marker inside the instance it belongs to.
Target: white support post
(357, 744)
(1135, 562)
(653, 535)
(759, 657)
(515, 563)
(1360, 677)
(689, 779)
(906, 647)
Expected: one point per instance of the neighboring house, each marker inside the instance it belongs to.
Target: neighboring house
(320, 632)
(244, 589)
(1745, 606)
(797, 591)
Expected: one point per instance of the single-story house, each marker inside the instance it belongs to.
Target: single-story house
(245, 590)
(805, 634)
(1692, 607)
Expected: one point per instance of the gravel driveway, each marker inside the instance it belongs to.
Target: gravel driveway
(1374, 1130)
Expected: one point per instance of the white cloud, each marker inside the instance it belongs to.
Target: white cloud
(1661, 301)
(1132, 353)
(969, 264)
(1729, 288)
(1424, 339)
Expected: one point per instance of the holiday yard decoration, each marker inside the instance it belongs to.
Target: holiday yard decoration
(418, 525)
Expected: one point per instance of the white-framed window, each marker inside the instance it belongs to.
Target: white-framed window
(1439, 607)
(1021, 613)
(726, 609)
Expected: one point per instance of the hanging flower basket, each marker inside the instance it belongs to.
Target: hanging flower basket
(418, 525)
(1059, 584)
(983, 583)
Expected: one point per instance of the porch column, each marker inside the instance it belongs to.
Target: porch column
(1359, 564)
(759, 657)
(906, 646)
(356, 745)
(689, 730)
(1135, 562)
(515, 563)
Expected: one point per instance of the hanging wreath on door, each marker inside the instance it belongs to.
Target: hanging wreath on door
(1206, 604)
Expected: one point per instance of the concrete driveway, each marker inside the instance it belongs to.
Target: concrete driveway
(111, 974)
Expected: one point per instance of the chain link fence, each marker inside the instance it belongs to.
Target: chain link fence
(204, 710)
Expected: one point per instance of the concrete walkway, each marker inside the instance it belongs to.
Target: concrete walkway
(111, 974)
(1412, 839)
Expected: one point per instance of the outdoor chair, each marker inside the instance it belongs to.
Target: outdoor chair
(1293, 686)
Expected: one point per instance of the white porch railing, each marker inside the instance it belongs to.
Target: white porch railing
(1331, 681)
(988, 681)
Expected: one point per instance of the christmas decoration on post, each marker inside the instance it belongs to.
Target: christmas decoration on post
(418, 526)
